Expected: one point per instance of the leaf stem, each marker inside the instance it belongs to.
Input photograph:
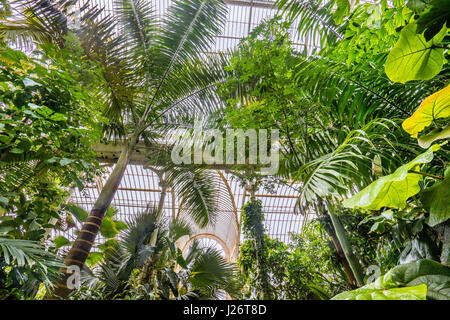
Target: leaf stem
(427, 174)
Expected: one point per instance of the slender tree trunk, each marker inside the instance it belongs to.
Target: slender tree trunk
(445, 255)
(348, 271)
(147, 270)
(85, 240)
(162, 197)
(346, 247)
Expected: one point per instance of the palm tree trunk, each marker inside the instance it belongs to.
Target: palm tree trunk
(162, 197)
(346, 247)
(85, 240)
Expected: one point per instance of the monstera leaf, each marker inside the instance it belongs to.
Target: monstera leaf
(384, 288)
(437, 200)
(435, 106)
(431, 273)
(392, 190)
(414, 58)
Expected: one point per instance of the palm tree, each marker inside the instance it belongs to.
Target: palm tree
(154, 71)
(149, 245)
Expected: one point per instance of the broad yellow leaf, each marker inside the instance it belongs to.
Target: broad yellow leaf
(435, 106)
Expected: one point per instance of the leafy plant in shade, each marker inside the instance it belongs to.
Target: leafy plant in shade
(304, 269)
(24, 265)
(423, 41)
(45, 115)
(155, 72)
(394, 190)
(271, 85)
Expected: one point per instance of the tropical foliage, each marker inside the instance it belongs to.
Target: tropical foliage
(362, 114)
(145, 263)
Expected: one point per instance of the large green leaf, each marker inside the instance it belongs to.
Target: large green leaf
(94, 258)
(384, 289)
(431, 273)
(437, 200)
(392, 190)
(61, 241)
(411, 281)
(414, 58)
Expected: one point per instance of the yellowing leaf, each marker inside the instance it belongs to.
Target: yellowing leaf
(435, 106)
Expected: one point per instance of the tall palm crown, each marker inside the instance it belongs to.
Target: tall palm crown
(153, 70)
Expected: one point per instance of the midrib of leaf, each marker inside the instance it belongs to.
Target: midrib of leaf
(136, 17)
(172, 61)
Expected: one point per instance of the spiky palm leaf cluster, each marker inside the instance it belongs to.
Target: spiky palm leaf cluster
(149, 245)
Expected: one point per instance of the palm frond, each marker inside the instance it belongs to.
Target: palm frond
(188, 31)
(315, 19)
(210, 273)
(191, 88)
(18, 253)
(138, 23)
(140, 228)
(347, 165)
(350, 94)
(25, 252)
(44, 21)
(193, 185)
(179, 228)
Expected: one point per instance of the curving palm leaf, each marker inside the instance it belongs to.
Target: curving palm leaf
(314, 18)
(18, 254)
